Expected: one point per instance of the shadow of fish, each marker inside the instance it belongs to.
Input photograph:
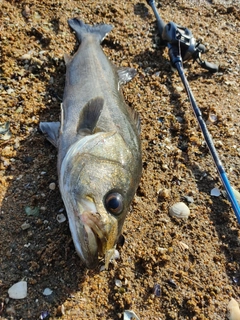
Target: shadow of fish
(99, 151)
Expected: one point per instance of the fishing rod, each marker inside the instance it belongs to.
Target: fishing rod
(182, 46)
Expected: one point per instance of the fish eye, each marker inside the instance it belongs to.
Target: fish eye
(114, 203)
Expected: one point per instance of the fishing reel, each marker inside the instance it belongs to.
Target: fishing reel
(182, 38)
(181, 41)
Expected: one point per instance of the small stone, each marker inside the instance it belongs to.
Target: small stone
(164, 194)
(26, 11)
(18, 290)
(179, 89)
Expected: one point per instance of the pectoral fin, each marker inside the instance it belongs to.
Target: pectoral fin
(67, 58)
(90, 115)
(136, 119)
(126, 74)
(51, 131)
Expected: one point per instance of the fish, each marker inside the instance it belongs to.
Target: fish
(99, 148)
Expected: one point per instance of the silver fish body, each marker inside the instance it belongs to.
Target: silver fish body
(99, 149)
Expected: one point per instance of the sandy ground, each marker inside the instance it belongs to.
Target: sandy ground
(194, 262)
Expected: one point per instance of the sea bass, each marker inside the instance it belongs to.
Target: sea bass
(99, 149)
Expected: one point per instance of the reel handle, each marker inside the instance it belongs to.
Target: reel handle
(211, 67)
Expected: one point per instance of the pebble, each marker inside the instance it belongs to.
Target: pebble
(26, 11)
(179, 210)
(18, 290)
(164, 193)
(179, 89)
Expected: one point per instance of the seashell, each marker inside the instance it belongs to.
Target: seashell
(118, 283)
(215, 192)
(47, 292)
(172, 283)
(52, 186)
(212, 118)
(44, 315)
(60, 310)
(179, 210)
(61, 218)
(25, 226)
(32, 211)
(233, 311)
(157, 290)
(130, 315)
(183, 246)
(18, 290)
(236, 194)
(188, 199)
(5, 133)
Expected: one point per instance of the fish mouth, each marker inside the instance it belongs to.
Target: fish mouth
(95, 234)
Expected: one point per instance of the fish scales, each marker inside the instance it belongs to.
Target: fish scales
(99, 148)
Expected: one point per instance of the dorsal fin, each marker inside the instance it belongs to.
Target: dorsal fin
(90, 115)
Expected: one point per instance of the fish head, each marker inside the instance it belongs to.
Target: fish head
(97, 182)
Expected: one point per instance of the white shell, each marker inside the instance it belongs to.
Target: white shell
(47, 292)
(118, 283)
(237, 195)
(61, 218)
(52, 186)
(215, 192)
(179, 210)
(130, 315)
(233, 310)
(18, 290)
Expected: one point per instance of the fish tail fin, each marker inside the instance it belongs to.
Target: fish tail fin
(99, 30)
